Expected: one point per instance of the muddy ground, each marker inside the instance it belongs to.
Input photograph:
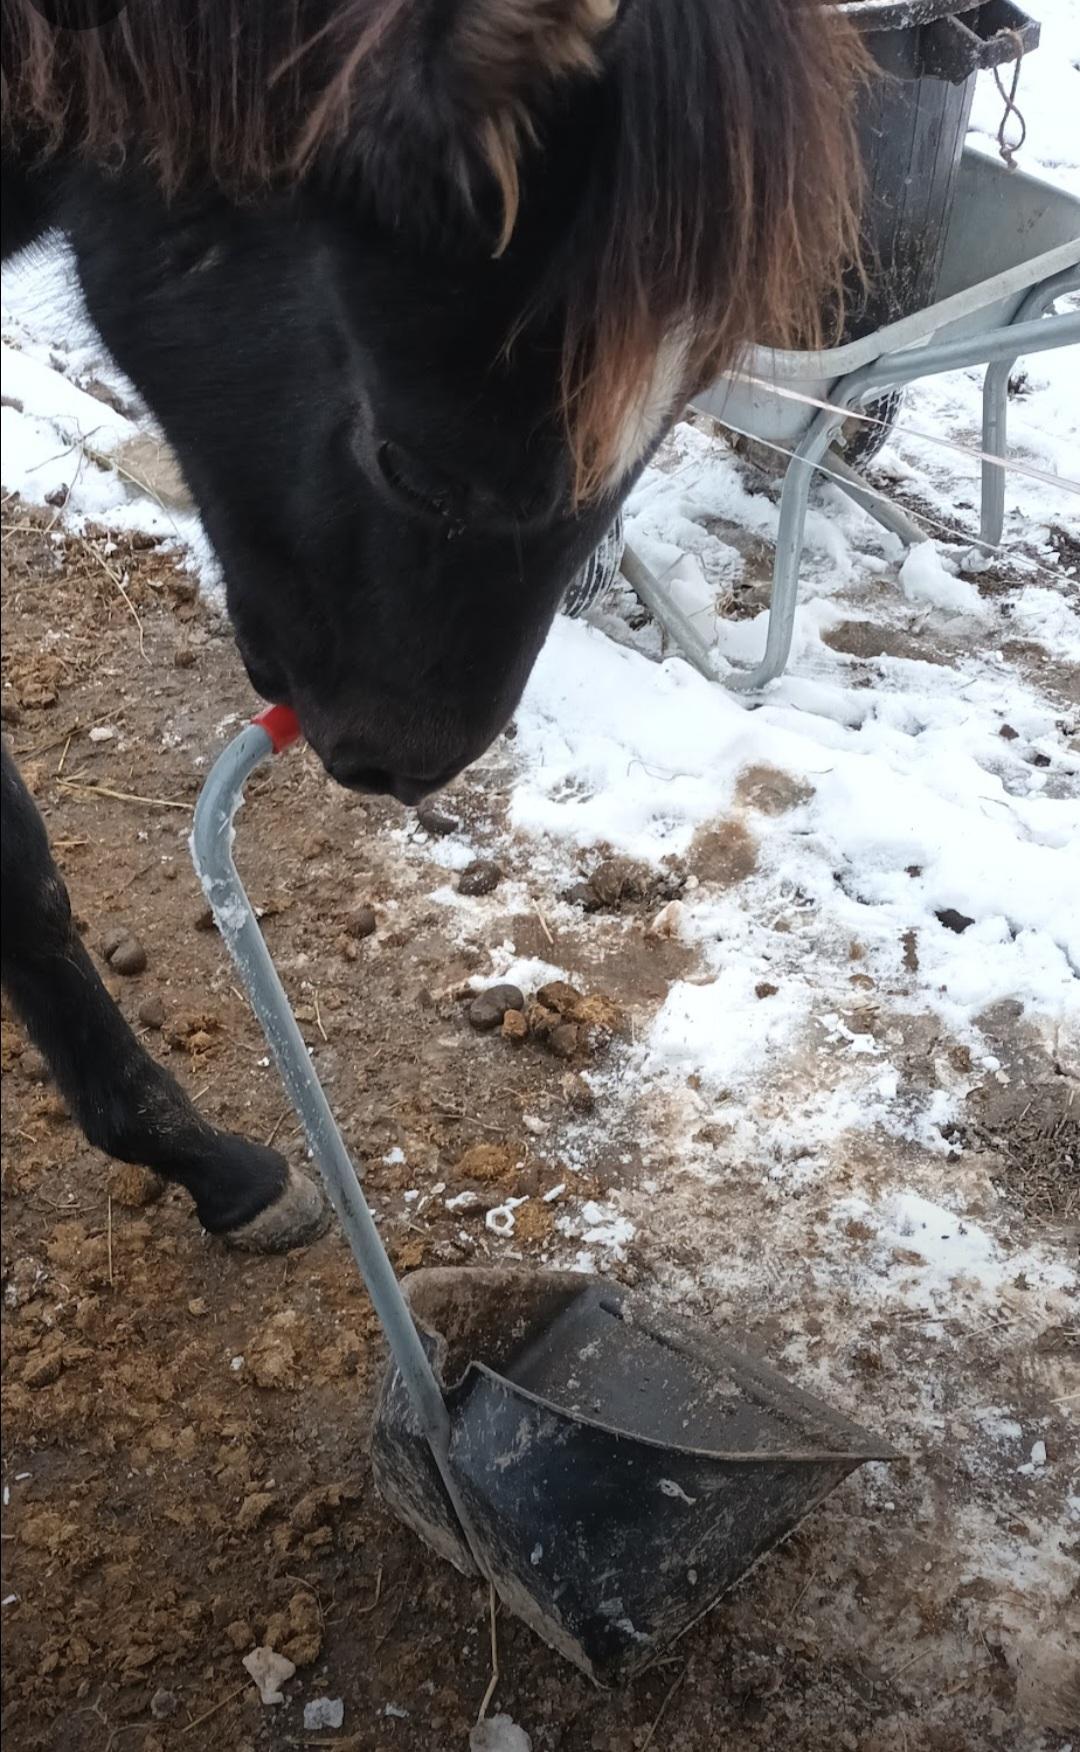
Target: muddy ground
(184, 1428)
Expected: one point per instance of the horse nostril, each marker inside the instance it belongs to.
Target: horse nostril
(377, 780)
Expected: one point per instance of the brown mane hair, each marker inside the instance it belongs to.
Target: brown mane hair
(720, 197)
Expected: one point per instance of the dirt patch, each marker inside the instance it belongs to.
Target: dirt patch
(771, 791)
(726, 855)
(621, 885)
(185, 1430)
(1046, 668)
(1032, 1137)
(491, 1164)
(534, 1222)
(867, 640)
(636, 965)
(1024, 1122)
(1067, 547)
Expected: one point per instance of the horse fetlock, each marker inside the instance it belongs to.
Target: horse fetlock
(148, 1120)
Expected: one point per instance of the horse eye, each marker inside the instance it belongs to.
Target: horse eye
(416, 483)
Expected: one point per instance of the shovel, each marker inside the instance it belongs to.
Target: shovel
(610, 1469)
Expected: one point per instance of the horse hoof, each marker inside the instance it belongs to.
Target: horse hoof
(299, 1215)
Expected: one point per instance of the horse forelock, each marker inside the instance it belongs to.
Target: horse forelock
(722, 210)
(256, 94)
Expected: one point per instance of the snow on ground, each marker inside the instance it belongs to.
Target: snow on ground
(909, 797)
(63, 431)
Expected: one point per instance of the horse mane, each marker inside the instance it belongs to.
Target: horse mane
(719, 203)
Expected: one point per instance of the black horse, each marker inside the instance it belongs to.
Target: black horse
(414, 288)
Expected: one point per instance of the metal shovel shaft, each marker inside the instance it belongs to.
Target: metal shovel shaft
(211, 851)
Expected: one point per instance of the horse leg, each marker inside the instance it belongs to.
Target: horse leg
(126, 1103)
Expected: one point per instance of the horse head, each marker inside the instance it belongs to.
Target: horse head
(416, 287)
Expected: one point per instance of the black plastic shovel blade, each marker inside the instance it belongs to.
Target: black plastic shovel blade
(620, 1469)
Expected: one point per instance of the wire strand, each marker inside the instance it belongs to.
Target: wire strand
(930, 522)
(1022, 468)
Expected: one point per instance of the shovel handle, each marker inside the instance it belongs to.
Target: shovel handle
(211, 852)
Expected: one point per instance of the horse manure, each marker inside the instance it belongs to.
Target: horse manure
(489, 1008)
(133, 1187)
(579, 1096)
(581, 894)
(436, 821)
(361, 922)
(615, 880)
(953, 920)
(124, 953)
(151, 1012)
(479, 877)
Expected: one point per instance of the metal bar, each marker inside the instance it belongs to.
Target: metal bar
(996, 405)
(891, 517)
(995, 414)
(789, 544)
(1038, 336)
(211, 852)
(675, 624)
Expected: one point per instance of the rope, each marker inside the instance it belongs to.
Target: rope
(1008, 152)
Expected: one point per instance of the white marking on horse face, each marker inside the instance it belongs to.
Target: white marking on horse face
(658, 399)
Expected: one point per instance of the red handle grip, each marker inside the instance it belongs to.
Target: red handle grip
(281, 725)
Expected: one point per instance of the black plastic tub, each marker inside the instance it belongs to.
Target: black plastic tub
(912, 124)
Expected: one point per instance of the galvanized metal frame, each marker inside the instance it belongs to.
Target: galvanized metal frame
(992, 321)
(998, 349)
